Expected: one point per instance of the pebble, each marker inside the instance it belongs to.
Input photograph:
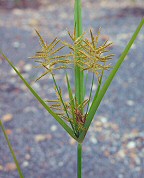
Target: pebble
(8, 131)
(53, 128)
(138, 161)
(10, 167)
(131, 145)
(30, 109)
(17, 12)
(120, 176)
(25, 164)
(60, 164)
(72, 141)
(130, 102)
(7, 117)
(27, 156)
(42, 137)
(27, 67)
(1, 167)
(93, 140)
(138, 169)
(104, 120)
(16, 44)
(121, 154)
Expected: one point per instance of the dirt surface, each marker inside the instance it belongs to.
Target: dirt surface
(114, 146)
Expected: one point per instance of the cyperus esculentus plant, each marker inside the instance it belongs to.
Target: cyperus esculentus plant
(85, 56)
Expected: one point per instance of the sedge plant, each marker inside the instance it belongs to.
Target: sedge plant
(85, 56)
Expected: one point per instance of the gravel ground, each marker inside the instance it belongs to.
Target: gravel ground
(114, 145)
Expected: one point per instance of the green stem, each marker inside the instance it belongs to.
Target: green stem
(79, 160)
(79, 75)
(11, 150)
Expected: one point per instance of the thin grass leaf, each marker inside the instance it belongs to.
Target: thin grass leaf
(86, 80)
(12, 151)
(72, 105)
(60, 96)
(60, 121)
(90, 95)
(106, 85)
(99, 86)
(61, 99)
(71, 97)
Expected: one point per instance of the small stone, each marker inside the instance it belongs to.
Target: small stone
(1, 168)
(121, 154)
(27, 67)
(98, 124)
(33, 22)
(133, 119)
(25, 164)
(138, 161)
(138, 169)
(53, 128)
(17, 12)
(30, 109)
(120, 176)
(93, 140)
(27, 156)
(72, 141)
(115, 127)
(8, 131)
(60, 164)
(106, 153)
(131, 145)
(98, 129)
(130, 102)
(7, 117)
(10, 167)
(104, 37)
(16, 44)
(112, 161)
(41, 137)
(103, 119)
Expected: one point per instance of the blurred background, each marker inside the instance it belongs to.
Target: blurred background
(114, 146)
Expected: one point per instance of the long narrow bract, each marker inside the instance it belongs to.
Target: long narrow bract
(12, 151)
(97, 101)
(60, 121)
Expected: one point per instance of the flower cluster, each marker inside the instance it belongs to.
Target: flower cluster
(85, 54)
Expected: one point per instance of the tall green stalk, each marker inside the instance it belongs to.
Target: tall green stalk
(79, 78)
(79, 160)
(79, 74)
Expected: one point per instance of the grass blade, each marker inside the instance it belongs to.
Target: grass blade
(72, 104)
(60, 96)
(60, 121)
(106, 85)
(12, 151)
(90, 95)
(71, 97)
